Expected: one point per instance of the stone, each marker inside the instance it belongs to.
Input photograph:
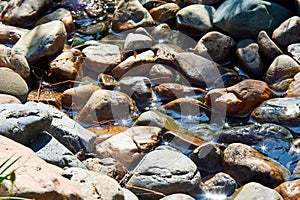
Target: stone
(195, 19)
(13, 84)
(107, 81)
(66, 66)
(294, 87)
(52, 151)
(6, 98)
(10, 34)
(49, 40)
(246, 18)
(205, 2)
(34, 177)
(165, 53)
(50, 97)
(294, 51)
(59, 14)
(23, 122)
(289, 190)
(215, 46)
(135, 41)
(240, 99)
(23, 13)
(107, 105)
(281, 72)
(248, 55)
(128, 195)
(94, 185)
(165, 170)
(14, 61)
(246, 165)
(129, 15)
(267, 46)
(165, 12)
(281, 111)
(255, 191)
(288, 32)
(160, 73)
(297, 3)
(178, 196)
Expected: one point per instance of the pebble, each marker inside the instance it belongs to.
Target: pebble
(6, 98)
(136, 41)
(9, 35)
(294, 87)
(165, 12)
(289, 189)
(178, 196)
(46, 96)
(294, 51)
(160, 73)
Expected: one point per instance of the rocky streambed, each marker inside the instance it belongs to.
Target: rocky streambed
(150, 99)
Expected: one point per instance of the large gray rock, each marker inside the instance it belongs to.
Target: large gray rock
(24, 122)
(246, 18)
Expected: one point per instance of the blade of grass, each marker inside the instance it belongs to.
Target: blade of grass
(13, 162)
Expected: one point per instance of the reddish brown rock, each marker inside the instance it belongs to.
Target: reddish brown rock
(164, 12)
(46, 96)
(289, 190)
(10, 34)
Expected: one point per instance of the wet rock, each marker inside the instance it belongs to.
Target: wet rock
(294, 87)
(106, 105)
(128, 146)
(248, 55)
(294, 51)
(23, 122)
(164, 12)
(134, 41)
(288, 32)
(195, 19)
(97, 29)
(267, 47)
(282, 111)
(281, 72)
(165, 53)
(289, 190)
(239, 99)
(246, 18)
(216, 46)
(208, 157)
(255, 191)
(161, 32)
(23, 13)
(66, 66)
(59, 14)
(53, 152)
(14, 61)
(178, 196)
(130, 15)
(106, 166)
(35, 179)
(172, 91)
(245, 165)
(50, 97)
(10, 34)
(94, 185)
(220, 184)
(107, 81)
(160, 73)
(165, 170)
(78, 96)
(6, 98)
(49, 41)
(101, 57)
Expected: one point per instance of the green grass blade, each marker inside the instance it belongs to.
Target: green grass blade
(7, 167)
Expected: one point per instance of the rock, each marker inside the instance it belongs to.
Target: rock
(255, 191)
(6, 98)
(161, 32)
(106, 166)
(129, 15)
(282, 111)
(50, 97)
(297, 3)
(66, 66)
(10, 34)
(23, 13)
(178, 196)
(165, 12)
(245, 165)
(78, 96)
(53, 152)
(107, 105)
(294, 51)
(128, 195)
(107, 81)
(240, 99)
(134, 41)
(94, 185)
(246, 18)
(220, 184)
(13, 84)
(208, 157)
(249, 58)
(49, 41)
(205, 2)
(160, 73)
(34, 177)
(59, 14)
(133, 65)
(101, 57)
(16, 62)
(288, 32)
(294, 87)
(23, 122)
(289, 190)
(165, 170)
(165, 53)
(128, 146)
(267, 47)
(281, 72)
(216, 46)
(195, 19)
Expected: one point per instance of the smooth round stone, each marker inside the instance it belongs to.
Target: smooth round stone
(164, 12)
(294, 51)
(10, 34)
(294, 87)
(13, 84)
(5, 98)
(160, 73)
(289, 189)
(178, 197)
(135, 41)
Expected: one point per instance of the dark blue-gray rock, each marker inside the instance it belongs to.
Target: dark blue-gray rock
(135, 41)
(294, 51)
(255, 190)
(246, 18)
(165, 170)
(53, 152)
(24, 122)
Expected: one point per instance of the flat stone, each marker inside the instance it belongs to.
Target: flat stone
(50, 97)
(178, 196)
(165, 12)
(289, 189)
(10, 34)
(294, 87)
(5, 99)
(294, 51)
